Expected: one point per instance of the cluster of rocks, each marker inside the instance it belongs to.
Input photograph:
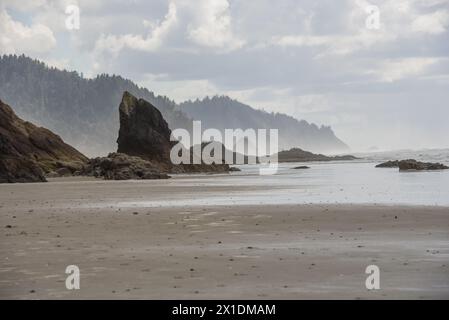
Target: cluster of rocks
(119, 166)
(412, 164)
(67, 169)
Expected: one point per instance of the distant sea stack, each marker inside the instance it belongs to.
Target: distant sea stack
(299, 155)
(28, 152)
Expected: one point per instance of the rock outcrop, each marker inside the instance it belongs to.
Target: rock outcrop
(19, 169)
(208, 149)
(299, 155)
(28, 152)
(412, 164)
(144, 133)
(119, 166)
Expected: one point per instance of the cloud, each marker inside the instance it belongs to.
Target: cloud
(151, 42)
(398, 20)
(24, 4)
(393, 70)
(204, 23)
(15, 37)
(433, 23)
(213, 26)
(335, 44)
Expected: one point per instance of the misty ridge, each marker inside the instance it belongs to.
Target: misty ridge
(83, 111)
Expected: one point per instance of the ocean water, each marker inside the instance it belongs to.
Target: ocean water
(354, 182)
(341, 182)
(430, 155)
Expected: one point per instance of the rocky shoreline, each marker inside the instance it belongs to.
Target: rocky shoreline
(32, 154)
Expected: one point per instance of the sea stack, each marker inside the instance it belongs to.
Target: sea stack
(145, 134)
(143, 131)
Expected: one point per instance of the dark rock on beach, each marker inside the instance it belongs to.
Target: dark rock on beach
(302, 167)
(119, 166)
(412, 164)
(28, 152)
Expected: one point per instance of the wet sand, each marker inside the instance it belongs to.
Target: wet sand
(212, 252)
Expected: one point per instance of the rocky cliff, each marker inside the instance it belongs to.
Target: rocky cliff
(28, 152)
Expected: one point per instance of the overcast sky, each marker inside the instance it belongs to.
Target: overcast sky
(323, 61)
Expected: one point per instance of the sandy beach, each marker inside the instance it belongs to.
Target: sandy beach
(135, 251)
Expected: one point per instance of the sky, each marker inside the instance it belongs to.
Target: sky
(376, 71)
